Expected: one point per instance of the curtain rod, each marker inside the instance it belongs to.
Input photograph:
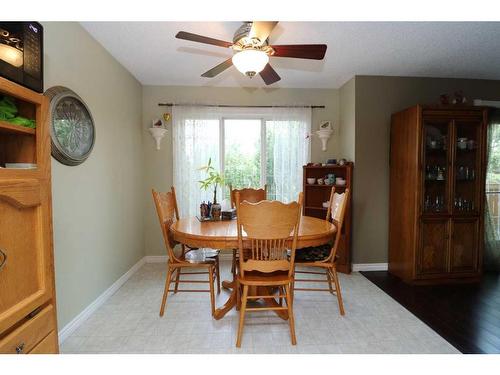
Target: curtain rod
(240, 106)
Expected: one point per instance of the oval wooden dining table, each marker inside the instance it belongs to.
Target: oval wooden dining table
(223, 235)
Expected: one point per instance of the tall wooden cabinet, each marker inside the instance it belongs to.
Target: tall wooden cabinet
(314, 196)
(27, 291)
(437, 193)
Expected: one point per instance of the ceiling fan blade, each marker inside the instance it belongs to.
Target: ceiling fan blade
(269, 75)
(261, 30)
(301, 51)
(218, 69)
(202, 39)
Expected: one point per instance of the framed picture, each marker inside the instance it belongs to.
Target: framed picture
(325, 125)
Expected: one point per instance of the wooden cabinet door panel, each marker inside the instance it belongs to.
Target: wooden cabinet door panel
(24, 277)
(433, 254)
(464, 245)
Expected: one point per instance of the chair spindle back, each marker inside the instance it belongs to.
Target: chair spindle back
(336, 213)
(271, 228)
(168, 213)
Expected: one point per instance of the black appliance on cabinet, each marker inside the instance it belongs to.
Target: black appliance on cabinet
(21, 53)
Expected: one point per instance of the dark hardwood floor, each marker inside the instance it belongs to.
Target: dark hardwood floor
(466, 315)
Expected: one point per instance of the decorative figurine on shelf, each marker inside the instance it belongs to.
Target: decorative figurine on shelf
(440, 173)
(459, 98)
(216, 179)
(204, 212)
(157, 123)
(444, 99)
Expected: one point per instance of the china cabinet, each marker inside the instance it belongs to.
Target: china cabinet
(27, 292)
(315, 194)
(437, 179)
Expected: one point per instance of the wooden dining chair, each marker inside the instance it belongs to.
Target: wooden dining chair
(250, 195)
(191, 259)
(263, 260)
(327, 262)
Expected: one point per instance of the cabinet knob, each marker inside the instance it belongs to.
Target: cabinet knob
(3, 259)
(20, 348)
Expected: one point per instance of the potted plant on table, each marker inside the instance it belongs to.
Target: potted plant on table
(216, 179)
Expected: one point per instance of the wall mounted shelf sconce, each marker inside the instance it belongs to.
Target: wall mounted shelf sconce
(324, 133)
(158, 134)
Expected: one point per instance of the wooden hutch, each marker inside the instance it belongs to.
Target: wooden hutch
(437, 193)
(314, 196)
(27, 292)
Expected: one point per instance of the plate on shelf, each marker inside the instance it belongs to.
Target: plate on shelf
(20, 165)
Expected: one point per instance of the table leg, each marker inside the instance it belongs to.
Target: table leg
(227, 284)
(230, 303)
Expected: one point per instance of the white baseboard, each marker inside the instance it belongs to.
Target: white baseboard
(71, 327)
(356, 267)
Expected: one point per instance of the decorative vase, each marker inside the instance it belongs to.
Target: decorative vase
(216, 211)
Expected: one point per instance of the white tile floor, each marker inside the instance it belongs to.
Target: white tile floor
(129, 323)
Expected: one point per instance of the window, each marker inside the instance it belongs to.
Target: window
(493, 181)
(250, 148)
(243, 154)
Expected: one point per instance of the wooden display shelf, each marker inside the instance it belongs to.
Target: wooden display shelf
(328, 186)
(6, 127)
(316, 194)
(334, 166)
(27, 307)
(428, 247)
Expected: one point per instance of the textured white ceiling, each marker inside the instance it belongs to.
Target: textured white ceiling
(154, 56)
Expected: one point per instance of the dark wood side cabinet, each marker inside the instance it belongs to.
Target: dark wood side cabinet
(315, 195)
(437, 193)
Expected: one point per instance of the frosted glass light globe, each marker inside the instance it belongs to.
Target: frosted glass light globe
(250, 61)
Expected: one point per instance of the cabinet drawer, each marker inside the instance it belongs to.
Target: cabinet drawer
(24, 338)
(47, 346)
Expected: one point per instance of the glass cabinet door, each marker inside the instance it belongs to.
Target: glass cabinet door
(435, 163)
(466, 166)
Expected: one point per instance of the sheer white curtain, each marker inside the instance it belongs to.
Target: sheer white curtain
(288, 150)
(195, 135)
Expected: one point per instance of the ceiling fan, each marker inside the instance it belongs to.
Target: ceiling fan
(252, 50)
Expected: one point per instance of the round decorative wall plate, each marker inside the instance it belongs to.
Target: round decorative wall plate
(72, 128)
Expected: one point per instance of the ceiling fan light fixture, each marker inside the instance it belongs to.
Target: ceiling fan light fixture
(250, 61)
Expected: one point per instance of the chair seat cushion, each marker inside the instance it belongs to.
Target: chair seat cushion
(313, 254)
(264, 279)
(201, 255)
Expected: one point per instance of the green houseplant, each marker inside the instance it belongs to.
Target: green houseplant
(213, 178)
